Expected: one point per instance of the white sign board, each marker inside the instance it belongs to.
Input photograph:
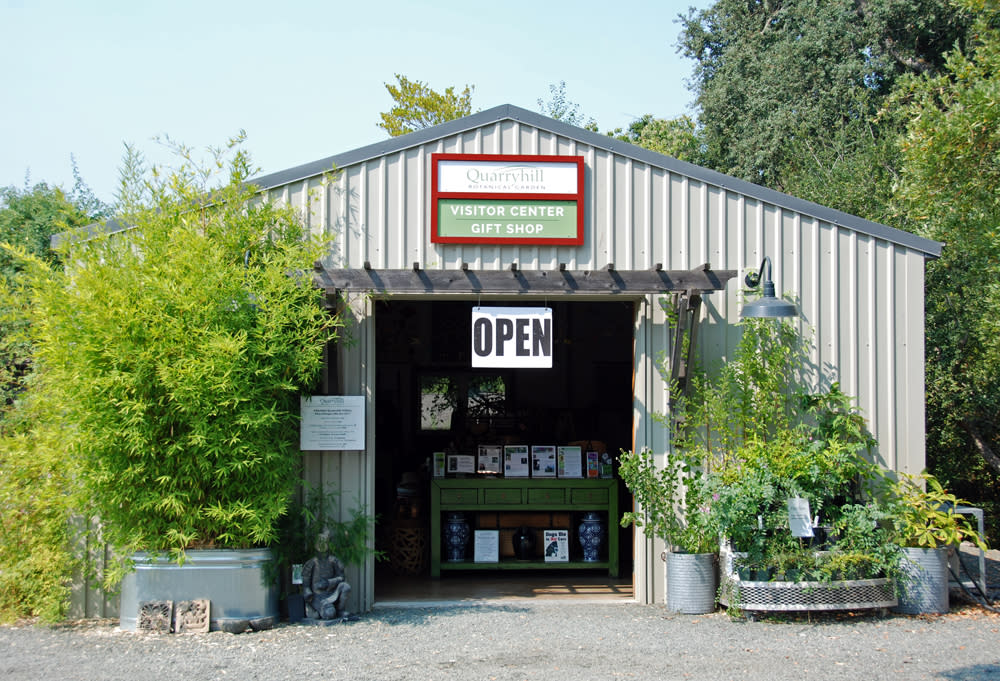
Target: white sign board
(799, 520)
(512, 337)
(509, 177)
(332, 423)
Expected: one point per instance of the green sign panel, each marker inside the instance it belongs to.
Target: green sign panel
(499, 219)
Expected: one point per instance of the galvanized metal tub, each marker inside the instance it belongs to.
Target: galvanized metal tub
(924, 582)
(234, 580)
(691, 581)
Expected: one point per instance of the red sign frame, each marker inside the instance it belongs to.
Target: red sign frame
(512, 241)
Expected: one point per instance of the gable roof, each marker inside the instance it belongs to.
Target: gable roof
(510, 112)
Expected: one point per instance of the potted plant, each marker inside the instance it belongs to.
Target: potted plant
(926, 526)
(176, 351)
(311, 526)
(674, 507)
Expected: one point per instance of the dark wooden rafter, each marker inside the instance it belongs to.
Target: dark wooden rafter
(687, 309)
(515, 280)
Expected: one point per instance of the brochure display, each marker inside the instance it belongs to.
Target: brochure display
(543, 461)
(516, 461)
(569, 462)
(490, 460)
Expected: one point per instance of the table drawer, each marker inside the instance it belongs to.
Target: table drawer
(590, 496)
(546, 496)
(459, 495)
(503, 496)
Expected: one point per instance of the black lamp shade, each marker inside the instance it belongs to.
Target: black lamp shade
(768, 306)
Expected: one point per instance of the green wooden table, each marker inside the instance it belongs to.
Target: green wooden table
(524, 494)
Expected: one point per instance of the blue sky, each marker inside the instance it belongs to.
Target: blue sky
(305, 79)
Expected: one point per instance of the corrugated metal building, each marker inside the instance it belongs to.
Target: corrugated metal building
(859, 287)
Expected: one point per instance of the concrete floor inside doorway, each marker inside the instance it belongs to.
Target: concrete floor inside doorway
(455, 587)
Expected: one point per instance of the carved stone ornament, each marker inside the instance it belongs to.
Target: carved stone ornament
(192, 617)
(154, 616)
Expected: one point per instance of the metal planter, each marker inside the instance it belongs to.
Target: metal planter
(691, 582)
(232, 579)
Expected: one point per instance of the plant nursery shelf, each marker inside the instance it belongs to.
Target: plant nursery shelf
(777, 596)
(858, 594)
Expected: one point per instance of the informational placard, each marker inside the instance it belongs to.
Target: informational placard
(570, 462)
(332, 423)
(556, 544)
(512, 337)
(516, 461)
(543, 461)
(507, 199)
(486, 546)
(490, 459)
(799, 519)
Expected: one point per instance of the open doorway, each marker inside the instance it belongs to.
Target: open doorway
(428, 399)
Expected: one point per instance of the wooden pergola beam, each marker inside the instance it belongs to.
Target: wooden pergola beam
(514, 280)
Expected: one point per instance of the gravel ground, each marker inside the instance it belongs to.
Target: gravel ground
(516, 640)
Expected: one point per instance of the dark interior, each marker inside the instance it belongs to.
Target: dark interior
(428, 398)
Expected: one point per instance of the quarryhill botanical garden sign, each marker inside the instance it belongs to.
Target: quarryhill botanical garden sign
(504, 199)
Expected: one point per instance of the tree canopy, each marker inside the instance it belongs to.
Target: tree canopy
(948, 190)
(417, 106)
(770, 74)
(29, 216)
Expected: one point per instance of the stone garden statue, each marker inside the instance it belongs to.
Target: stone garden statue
(323, 586)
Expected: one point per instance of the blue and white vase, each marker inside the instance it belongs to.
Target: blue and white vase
(591, 532)
(456, 537)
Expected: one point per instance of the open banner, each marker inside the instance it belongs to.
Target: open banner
(512, 337)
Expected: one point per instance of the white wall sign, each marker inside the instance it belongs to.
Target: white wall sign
(518, 175)
(512, 337)
(332, 423)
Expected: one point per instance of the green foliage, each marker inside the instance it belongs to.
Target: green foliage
(770, 74)
(948, 190)
(350, 540)
(28, 218)
(36, 505)
(562, 109)
(924, 514)
(675, 506)
(176, 352)
(751, 397)
(677, 137)
(417, 106)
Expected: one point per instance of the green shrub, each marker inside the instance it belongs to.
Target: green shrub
(36, 503)
(176, 352)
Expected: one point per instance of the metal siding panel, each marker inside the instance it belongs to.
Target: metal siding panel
(886, 323)
(908, 289)
(809, 305)
(636, 247)
(659, 219)
(846, 282)
(865, 310)
(678, 255)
